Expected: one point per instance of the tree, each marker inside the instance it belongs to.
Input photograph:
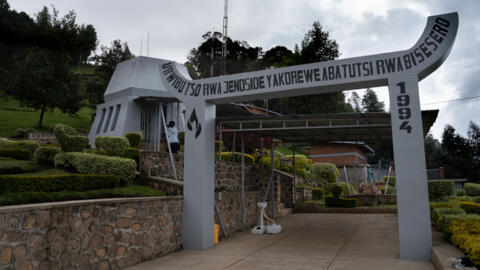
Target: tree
(370, 102)
(434, 154)
(354, 100)
(43, 81)
(275, 55)
(109, 58)
(458, 158)
(206, 59)
(316, 46)
(474, 142)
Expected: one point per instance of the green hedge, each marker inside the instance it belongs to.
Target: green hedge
(434, 205)
(439, 189)
(227, 156)
(439, 212)
(317, 193)
(217, 145)
(310, 175)
(391, 180)
(334, 199)
(38, 197)
(470, 207)
(69, 139)
(112, 145)
(325, 172)
(16, 153)
(461, 192)
(343, 186)
(134, 139)
(301, 161)
(445, 221)
(54, 183)
(472, 189)
(7, 144)
(132, 153)
(86, 163)
(267, 163)
(288, 168)
(45, 155)
(26, 145)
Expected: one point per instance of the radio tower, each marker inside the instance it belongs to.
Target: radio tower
(224, 44)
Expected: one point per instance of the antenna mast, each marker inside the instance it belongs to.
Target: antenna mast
(224, 44)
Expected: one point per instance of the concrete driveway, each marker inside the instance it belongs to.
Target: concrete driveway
(308, 241)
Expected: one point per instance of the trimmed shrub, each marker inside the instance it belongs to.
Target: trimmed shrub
(7, 144)
(476, 199)
(133, 139)
(471, 207)
(288, 168)
(28, 145)
(460, 192)
(310, 175)
(22, 133)
(54, 183)
(439, 189)
(267, 163)
(434, 205)
(325, 171)
(276, 154)
(343, 186)
(465, 234)
(334, 200)
(16, 153)
(132, 153)
(228, 156)
(317, 193)
(69, 139)
(445, 221)
(301, 161)
(112, 145)
(45, 155)
(438, 212)
(391, 180)
(472, 189)
(86, 163)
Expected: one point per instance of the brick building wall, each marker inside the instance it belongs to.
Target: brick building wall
(339, 154)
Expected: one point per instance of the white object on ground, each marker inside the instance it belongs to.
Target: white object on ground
(261, 228)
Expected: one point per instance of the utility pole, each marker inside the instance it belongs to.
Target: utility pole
(224, 45)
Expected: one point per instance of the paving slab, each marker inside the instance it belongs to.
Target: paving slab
(308, 241)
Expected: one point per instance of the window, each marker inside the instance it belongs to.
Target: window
(110, 111)
(99, 128)
(115, 118)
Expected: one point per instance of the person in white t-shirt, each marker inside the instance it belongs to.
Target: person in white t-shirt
(172, 135)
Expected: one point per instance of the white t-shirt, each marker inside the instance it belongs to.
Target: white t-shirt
(172, 134)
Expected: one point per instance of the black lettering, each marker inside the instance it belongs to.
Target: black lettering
(380, 67)
(430, 43)
(390, 65)
(425, 50)
(419, 55)
(308, 75)
(316, 73)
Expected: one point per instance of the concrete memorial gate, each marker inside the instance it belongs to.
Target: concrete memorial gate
(400, 71)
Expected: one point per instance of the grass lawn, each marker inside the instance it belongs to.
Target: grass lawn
(13, 116)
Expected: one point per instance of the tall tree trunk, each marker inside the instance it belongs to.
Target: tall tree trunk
(42, 112)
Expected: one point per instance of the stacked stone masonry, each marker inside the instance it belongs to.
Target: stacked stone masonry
(94, 234)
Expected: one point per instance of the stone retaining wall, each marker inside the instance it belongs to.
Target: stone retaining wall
(92, 234)
(374, 200)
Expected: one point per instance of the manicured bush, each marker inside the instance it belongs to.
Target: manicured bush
(228, 156)
(471, 207)
(310, 175)
(28, 145)
(38, 197)
(22, 133)
(7, 144)
(465, 234)
(267, 163)
(112, 145)
(391, 180)
(334, 199)
(132, 153)
(86, 163)
(438, 212)
(434, 205)
(472, 189)
(69, 139)
(317, 193)
(301, 161)
(276, 154)
(460, 192)
(476, 199)
(134, 139)
(45, 155)
(288, 168)
(16, 153)
(439, 189)
(445, 221)
(343, 186)
(54, 183)
(325, 171)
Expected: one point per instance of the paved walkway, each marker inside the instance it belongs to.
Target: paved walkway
(308, 241)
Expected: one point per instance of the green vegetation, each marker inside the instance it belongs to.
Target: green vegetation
(334, 199)
(69, 139)
(287, 149)
(439, 189)
(472, 189)
(14, 166)
(55, 183)
(13, 116)
(133, 139)
(45, 155)
(37, 197)
(112, 145)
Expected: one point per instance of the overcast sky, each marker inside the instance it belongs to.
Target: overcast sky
(359, 27)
